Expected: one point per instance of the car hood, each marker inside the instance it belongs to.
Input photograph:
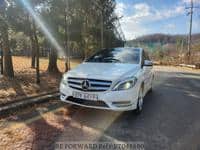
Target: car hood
(105, 71)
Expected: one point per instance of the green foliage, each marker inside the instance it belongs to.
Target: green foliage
(78, 21)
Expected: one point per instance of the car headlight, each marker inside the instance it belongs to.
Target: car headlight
(64, 80)
(125, 84)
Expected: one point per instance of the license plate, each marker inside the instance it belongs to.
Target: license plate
(85, 96)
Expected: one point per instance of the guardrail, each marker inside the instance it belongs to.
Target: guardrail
(196, 66)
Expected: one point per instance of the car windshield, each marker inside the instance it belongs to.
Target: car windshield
(116, 55)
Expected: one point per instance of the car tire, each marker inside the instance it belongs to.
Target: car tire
(140, 102)
(151, 89)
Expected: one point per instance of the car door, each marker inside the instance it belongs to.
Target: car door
(147, 73)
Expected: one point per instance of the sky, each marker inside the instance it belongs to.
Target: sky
(142, 17)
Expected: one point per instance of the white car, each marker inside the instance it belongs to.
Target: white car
(115, 79)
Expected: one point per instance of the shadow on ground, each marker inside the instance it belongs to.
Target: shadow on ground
(170, 119)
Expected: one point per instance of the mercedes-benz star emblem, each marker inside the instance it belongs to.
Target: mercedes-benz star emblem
(85, 85)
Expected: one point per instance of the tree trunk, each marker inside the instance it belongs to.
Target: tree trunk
(7, 61)
(37, 53)
(67, 65)
(31, 36)
(53, 68)
(1, 57)
(33, 64)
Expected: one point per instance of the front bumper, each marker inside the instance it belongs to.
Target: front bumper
(110, 100)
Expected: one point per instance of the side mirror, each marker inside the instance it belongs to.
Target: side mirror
(148, 63)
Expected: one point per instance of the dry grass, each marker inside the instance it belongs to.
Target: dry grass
(22, 64)
(23, 84)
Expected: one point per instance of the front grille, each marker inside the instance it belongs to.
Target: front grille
(87, 102)
(96, 85)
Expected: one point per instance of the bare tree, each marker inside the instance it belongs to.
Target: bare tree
(7, 61)
(52, 67)
(37, 53)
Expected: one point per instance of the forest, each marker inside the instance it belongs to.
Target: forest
(55, 29)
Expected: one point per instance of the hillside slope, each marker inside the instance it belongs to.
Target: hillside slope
(162, 39)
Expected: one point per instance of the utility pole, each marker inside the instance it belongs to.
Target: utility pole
(191, 11)
(190, 31)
